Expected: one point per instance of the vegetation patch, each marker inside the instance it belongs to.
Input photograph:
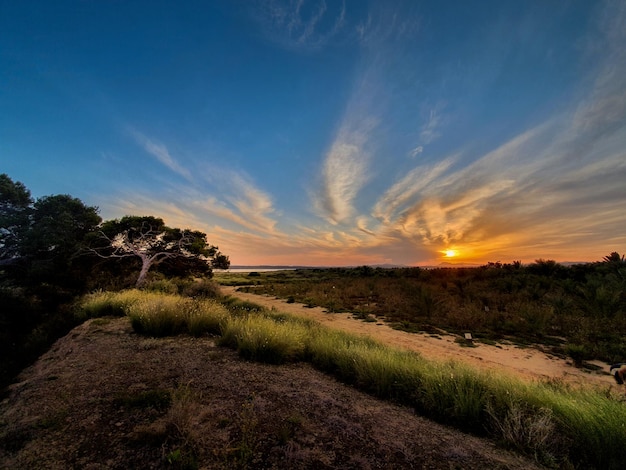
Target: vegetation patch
(552, 422)
(583, 306)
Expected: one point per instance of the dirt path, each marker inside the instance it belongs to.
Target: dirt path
(528, 363)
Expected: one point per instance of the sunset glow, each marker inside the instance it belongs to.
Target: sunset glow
(329, 133)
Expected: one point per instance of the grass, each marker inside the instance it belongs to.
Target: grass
(174, 431)
(102, 303)
(158, 314)
(265, 339)
(556, 424)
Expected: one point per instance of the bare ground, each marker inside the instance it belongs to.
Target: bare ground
(527, 363)
(104, 397)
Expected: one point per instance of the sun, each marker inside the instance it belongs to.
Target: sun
(451, 253)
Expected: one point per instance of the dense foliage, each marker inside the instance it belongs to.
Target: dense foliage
(578, 310)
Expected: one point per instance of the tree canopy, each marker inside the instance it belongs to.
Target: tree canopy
(39, 240)
(149, 240)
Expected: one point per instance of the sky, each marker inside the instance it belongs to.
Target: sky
(329, 132)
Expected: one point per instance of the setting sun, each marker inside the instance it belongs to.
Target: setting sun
(451, 253)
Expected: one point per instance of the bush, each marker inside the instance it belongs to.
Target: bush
(164, 286)
(204, 288)
(577, 352)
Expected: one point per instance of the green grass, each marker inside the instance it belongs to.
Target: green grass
(556, 424)
(158, 314)
(265, 339)
(101, 304)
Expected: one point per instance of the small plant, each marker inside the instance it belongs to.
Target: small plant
(248, 435)
(577, 352)
(180, 431)
(288, 428)
(527, 430)
(181, 459)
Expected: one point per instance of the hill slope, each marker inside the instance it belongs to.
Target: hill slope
(104, 397)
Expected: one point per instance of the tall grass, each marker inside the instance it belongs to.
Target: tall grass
(102, 303)
(262, 338)
(553, 423)
(158, 314)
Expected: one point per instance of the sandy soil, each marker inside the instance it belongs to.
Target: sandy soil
(529, 363)
(106, 398)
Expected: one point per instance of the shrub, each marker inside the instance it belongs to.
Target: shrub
(203, 288)
(209, 317)
(164, 286)
(157, 314)
(527, 430)
(577, 352)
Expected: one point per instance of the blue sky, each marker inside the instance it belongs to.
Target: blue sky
(310, 132)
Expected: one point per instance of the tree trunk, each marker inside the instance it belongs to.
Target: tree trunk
(146, 263)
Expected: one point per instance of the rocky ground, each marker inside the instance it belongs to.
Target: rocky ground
(104, 397)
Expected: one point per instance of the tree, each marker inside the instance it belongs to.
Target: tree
(544, 267)
(58, 227)
(39, 240)
(15, 209)
(149, 240)
(614, 258)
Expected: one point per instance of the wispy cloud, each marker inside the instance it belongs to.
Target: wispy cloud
(604, 111)
(344, 173)
(416, 151)
(387, 22)
(254, 205)
(160, 152)
(406, 190)
(430, 131)
(301, 24)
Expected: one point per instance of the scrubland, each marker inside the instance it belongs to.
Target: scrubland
(558, 425)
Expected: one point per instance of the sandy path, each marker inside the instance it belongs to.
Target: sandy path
(525, 362)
